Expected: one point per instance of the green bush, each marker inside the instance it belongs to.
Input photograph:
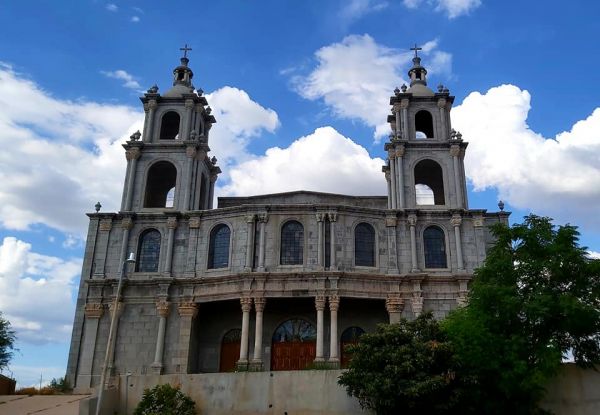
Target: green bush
(165, 400)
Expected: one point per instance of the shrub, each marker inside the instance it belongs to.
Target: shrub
(165, 400)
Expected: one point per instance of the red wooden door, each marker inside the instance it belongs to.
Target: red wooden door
(230, 350)
(292, 355)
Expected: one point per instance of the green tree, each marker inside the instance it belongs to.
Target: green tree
(165, 400)
(7, 342)
(406, 368)
(532, 304)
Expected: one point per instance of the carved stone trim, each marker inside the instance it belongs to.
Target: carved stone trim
(93, 310)
(250, 218)
(320, 216)
(394, 303)
(263, 217)
(152, 104)
(187, 309)
(189, 103)
(454, 150)
(162, 307)
(259, 303)
(320, 302)
(400, 150)
(441, 103)
(412, 219)
(133, 153)
(417, 305)
(246, 303)
(194, 223)
(171, 222)
(391, 220)
(478, 221)
(404, 103)
(191, 151)
(334, 303)
(105, 225)
(332, 216)
(456, 220)
(127, 223)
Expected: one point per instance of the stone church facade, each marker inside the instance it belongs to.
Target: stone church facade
(279, 281)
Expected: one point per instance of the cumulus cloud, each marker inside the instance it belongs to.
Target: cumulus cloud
(356, 77)
(355, 9)
(36, 292)
(555, 176)
(129, 80)
(452, 8)
(111, 7)
(135, 19)
(594, 254)
(323, 161)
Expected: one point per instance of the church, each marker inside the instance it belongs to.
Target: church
(274, 282)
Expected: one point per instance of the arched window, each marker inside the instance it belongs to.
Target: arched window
(423, 124)
(429, 181)
(160, 186)
(169, 126)
(218, 252)
(293, 345)
(364, 245)
(148, 252)
(434, 245)
(292, 243)
(350, 336)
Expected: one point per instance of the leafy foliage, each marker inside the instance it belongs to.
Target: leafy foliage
(165, 400)
(7, 341)
(60, 385)
(406, 368)
(533, 302)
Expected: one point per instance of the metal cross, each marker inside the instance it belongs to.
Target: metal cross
(185, 50)
(416, 48)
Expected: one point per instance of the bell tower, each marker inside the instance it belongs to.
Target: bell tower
(168, 167)
(425, 167)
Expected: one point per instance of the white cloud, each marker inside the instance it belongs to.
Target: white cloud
(555, 176)
(355, 9)
(356, 77)
(111, 7)
(322, 161)
(452, 8)
(129, 80)
(594, 254)
(59, 157)
(135, 19)
(36, 292)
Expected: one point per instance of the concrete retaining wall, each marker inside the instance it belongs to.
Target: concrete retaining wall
(316, 392)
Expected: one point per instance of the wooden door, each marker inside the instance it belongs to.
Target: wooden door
(230, 350)
(292, 355)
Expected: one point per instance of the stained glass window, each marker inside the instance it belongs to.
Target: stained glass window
(292, 241)
(218, 253)
(435, 248)
(148, 251)
(295, 329)
(364, 245)
(233, 336)
(352, 334)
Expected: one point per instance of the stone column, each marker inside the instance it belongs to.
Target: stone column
(455, 152)
(263, 218)
(171, 226)
(412, 222)
(320, 306)
(390, 222)
(396, 110)
(190, 152)
(394, 305)
(126, 225)
(389, 188)
(456, 221)
(149, 132)
(259, 306)
(463, 291)
(192, 253)
(320, 241)
(246, 303)
(145, 129)
(211, 192)
(189, 105)
(392, 158)
(442, 106)
(479, 238)
(417, 298)
(332, 260)
(334, 304)
(102, 247)
(93, 312)
(187, 312)
(249, 242)
(162, 308)
(404, 106)
(132, 155)
(400, 174)
(119, 311)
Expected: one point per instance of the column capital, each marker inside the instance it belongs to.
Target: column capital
(187, 309)
(119, 308)
(263, 217)
(162, 307)
(391, 220)
(394, 303)
(332, 216)
(93, 310)
(454, 150)
(441, 103)
(391, 154)
(400, 150)
(246, 303)
(194, 222)
(320, 302)
(105, 225)
(321, 216)
(250, 218)
(171, 222)
(259, 304)
(191, 151)
(127, 223)
(132, 153)
(152, 104)
(456, 220)
(404, 103)
(412, 219)
(334, 302)
(478, 221)
(189, 103)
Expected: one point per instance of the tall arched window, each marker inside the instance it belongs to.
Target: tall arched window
(423, 125)
(292, 243)
(218, 252)
(160, 185)
(429, 183)
(169, 126)
(434, 245)
(364, 245)
(148, 252)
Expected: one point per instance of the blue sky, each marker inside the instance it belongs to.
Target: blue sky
(300, 91)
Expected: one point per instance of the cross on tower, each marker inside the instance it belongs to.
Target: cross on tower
(416, 48)
(185, 50)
